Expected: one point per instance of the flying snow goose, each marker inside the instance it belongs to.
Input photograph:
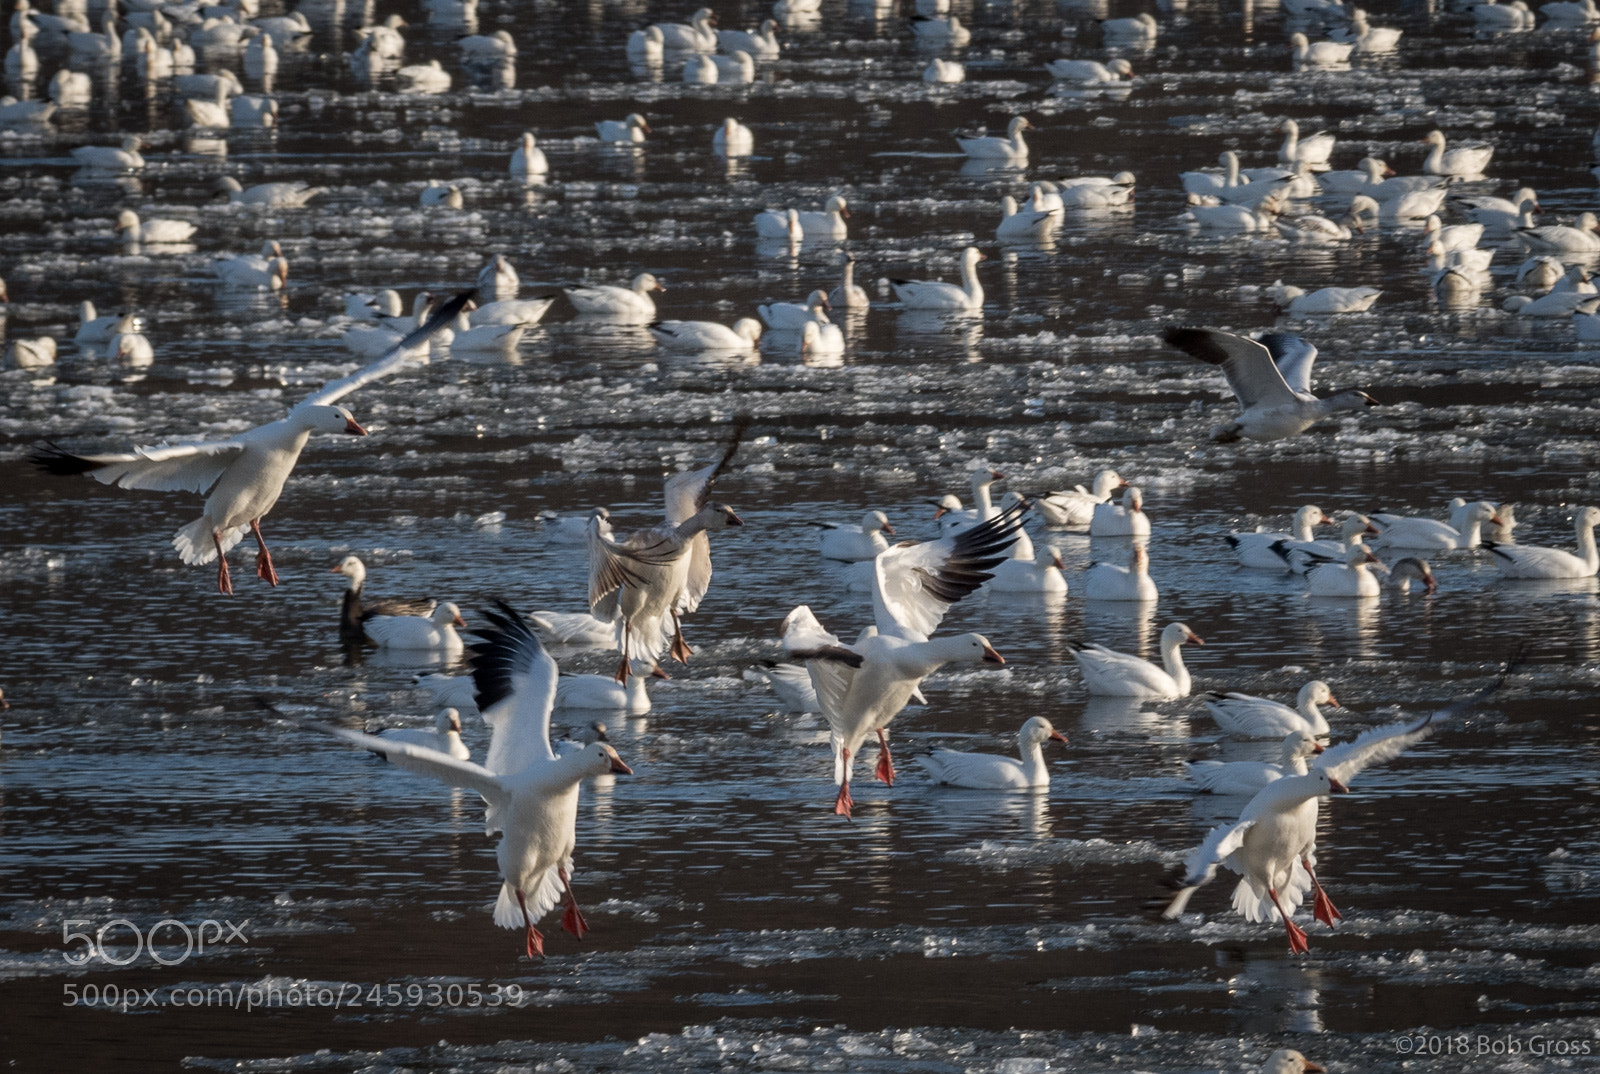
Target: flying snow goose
(1250, 717)
(1075, 506)
(434, 634)
(355, 611)
(1107, 581)
(624, 305)
(1467, 160)
(938, 295)
(1108, 673)
(531, 793)
(1271, 407)
(862, 687)
(1531, 561)
(1125, 519)
(987, 772)
(1011, 149)
(791, 684)
(243, 475)
(854, 543)
(1256, 549)
(1249, 777)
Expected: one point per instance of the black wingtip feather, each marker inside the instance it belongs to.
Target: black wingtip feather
(54, 459)
(506, 647)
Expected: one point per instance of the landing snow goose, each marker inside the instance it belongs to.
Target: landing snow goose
(1271, 407)
(696, 337)
(1011, 148)
(1139, 30)
(445, 737)
(1529, 561)
(849, 295)
(605, 692)
(854, 543)
(1352, 578)
(733, 139)
(1582, 237)
(1429, 535)
(625, 305)
(793, 316)
(528, 160)
(1249, 777)
(699, 34)
(1311, 54)
(1107, 581)
(1040, 573)
(1256, 549)
(1249, 717)
(938, 295)
(109, 158)
(243, 475)
(354, 610)
(1125, 519)
(1025, 225)
(433, 634)
(987, 772)
(1075, 506)
(1107, 673)
(1090, 72)
(761, 43)
(862, 687)
(662, 572)
(947, 72)
(156, 232)
(268, 195)
(627, 131)
(579, 629)
(946, 32)
(1314, 149)
(1298, 302)
(531, 793)
(1467, 161)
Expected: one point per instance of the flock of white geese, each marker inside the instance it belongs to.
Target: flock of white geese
(641, 585)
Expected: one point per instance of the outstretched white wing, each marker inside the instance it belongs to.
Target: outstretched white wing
(1294, 357)
(1200, 867)
(686, 493)
(172, 468)
(394, 359)
(831, 664)
(915, 584)
(515, 680)
(1246, 363)
(427, 762)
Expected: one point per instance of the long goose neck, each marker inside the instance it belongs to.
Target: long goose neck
(1586, 547)
(1172, 657)
(1032, 753)
(1304, 529)
(969, 281)
(1435, 158)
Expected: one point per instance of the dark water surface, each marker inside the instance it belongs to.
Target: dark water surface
(739, 925)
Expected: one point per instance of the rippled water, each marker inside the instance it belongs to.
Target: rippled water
(739, 925)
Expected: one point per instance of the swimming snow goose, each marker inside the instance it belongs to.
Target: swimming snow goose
(1107, 581)
(1352, 578)
(1249, 777)
(531, 793)
(1429, 535)
(793, 316)
(862, 687)
(605, 692)
(1039, 573)
(987, 772)
(1530, 561)
(1250, 717)
(624, 305)
(1287, 1060)
(1313, 149)
(1011, 149)
(134, 230)
(852, 543)
(1125, 519)
(944, 71)
(1256, 549)
(949, 513)
(938, 295)
(1297, 302)
(761, 43)
(1301, 555)
(1467, 161)
(244, 476)
(699, 336)
(1308, 54)
(1090, 72)
(1108, 673)
(445, 737)
(268, 195)
(1075, 506)
(355, 611)
(433, 634)
(1271, 379)
(697, 35)
(733, 139)
(528, 161)
(627, 131)
(849, 295)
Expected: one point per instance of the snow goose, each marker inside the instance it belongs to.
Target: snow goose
(1313, 150)
(1087, 194)
(1404, 209)
(628, 131)
(354, 611)
(1352, 578)
(1040, 573)
(783, 224)
(702, 70)
(761, 43)
(484, 49)
(499, 277)
(253, 271)
(625, 305)
(1502, 532)
(1090, 72)
(1272, 408)
(793, 316)
(1250, 717)
(83, 45)
(1529, 561)
(818, 341)
(605, 692)
(1501, 215)
(1514, 17)
(944, 71)
(260, 58)
(71, 89)
(1125, 519)
(134, 230)
(130, 347)
(1368, 39)
(107, 158)
(862, 687)
(531, 792)
(1107, 581)
(427, 77)
(578, 629)
(1312, 228)
(733, 139)
(697, 35)
(1107, 673)
(268, 195)
(1570, 12)
(938, 295)
(696, 337)
(1300, 556)
(1467, 161)
(528, 160)
(1249, 777)
(791, 684)
(1324, 301)
(34, 353)
(1011, 149)
(1408, 570)
(1369, 173)
(252, 110)
(445, 737)
(1472, 262)
(945, 32)
(1310, 54)
(285, 30)
(854, 543)
(949, 513)
(434, 634)
(1287, 1060)
(1027, 225)
(244, 475)
(827, 224)
(1554, 304)
(796, 9)
(1231, 217)
(662, 572)
(849, 295)
(1583, 237)
(646, 45)
(94, 329)
(1256, 549)
(15, 113)
(526, 312)
(1075, 507)
(1266, 847)
(1141, 30)
(987, 772)
(1428, 535)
